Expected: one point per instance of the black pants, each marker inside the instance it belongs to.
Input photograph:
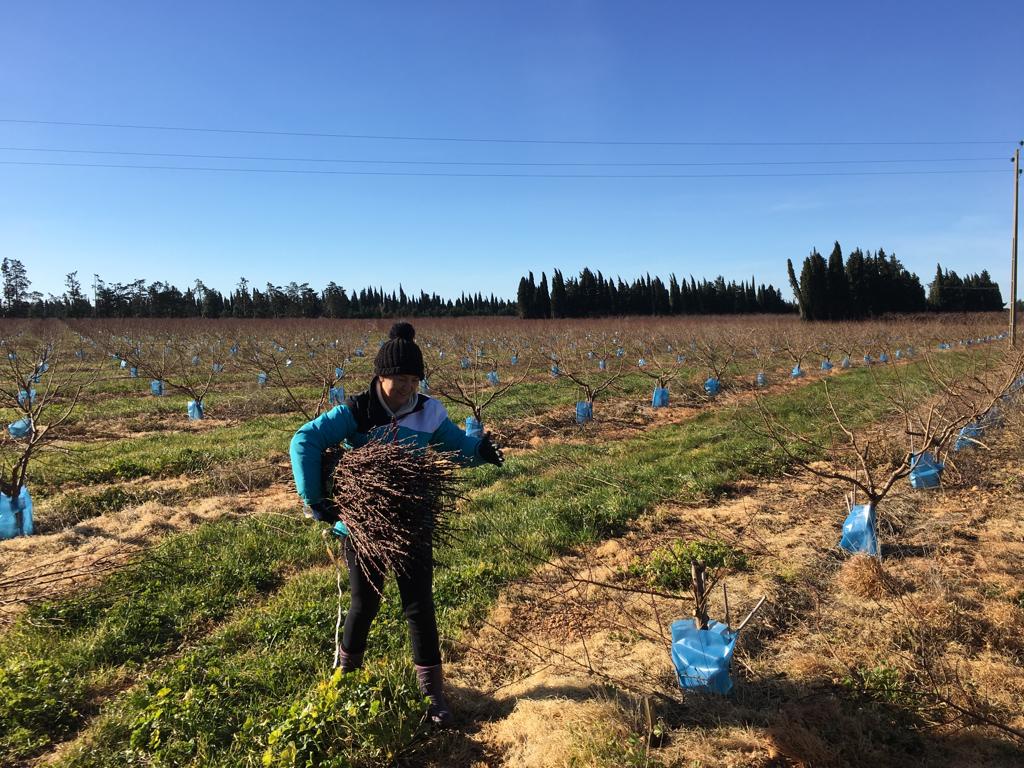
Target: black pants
(416, 587)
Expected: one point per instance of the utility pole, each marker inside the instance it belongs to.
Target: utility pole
(1013, 249)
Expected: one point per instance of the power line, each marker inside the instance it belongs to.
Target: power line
(482, 140)
(300, 171)
(546, 164)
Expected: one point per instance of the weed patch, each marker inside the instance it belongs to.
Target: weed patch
(669, 567)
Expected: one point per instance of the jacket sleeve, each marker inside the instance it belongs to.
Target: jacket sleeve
(451, 438)
(309, 444)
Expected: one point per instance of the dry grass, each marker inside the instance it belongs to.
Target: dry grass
(77, 556)
(562, 733)
(863, 576)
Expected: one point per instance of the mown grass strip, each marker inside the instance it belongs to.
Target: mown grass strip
(161, 455)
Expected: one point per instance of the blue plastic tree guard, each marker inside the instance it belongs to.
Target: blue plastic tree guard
(860, 530)
(492, 378)
(826, 365)
(195, 410)
(123, 364)
(925, 471)
(884, 357)
(660, 397)
(898, 354)
(868, 360)
(26, 395)
(993, 417)
(195, 359)
(473, 427)
(19, 428)
(845, 363)
(16, 515)
(712, 387)
(602, 364)
(680, 359)
(641, 363)
(702, 657)
(424, 385)
(133, 372)
(464, 363)
(761, 379)
(554, 371)
(217, 368)
(156, 387)
(340, 530)
(797, 371)
(261, 379)
(514, 360)
(584, 412)
(336, 395)
(360, 352)
(234, 350)
(620, 352)
(967, 436)
(339, 372)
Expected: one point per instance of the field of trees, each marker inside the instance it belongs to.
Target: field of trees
(172, 607)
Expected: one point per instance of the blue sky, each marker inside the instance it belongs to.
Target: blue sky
(807, 74)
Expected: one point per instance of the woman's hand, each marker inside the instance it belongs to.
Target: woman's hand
(489, 452)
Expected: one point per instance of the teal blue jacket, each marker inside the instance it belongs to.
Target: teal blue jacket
(362, 418)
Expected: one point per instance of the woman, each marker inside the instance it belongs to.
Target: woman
(390, 409)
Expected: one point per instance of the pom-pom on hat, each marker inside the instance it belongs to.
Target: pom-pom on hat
(400, 356)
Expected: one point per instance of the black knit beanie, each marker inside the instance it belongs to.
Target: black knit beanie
(399, 356)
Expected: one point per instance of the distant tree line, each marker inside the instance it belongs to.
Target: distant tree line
(160, 299)
(871, 284)
(593, 295)
(863, 285)
(949, 292)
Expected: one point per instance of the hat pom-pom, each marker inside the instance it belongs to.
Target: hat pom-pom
(403, 331)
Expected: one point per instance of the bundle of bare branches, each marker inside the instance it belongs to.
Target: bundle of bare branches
(394, 499)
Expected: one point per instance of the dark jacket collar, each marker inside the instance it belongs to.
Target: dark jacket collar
(368, 412)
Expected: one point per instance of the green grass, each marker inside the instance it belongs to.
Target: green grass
(62, 655)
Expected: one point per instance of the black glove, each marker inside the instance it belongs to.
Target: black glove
(489, 452)
(325, 510)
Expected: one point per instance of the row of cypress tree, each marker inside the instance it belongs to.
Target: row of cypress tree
(592, 295)
(869, 284)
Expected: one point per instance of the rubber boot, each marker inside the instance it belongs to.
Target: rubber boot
(349, 662)
(431, 683)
